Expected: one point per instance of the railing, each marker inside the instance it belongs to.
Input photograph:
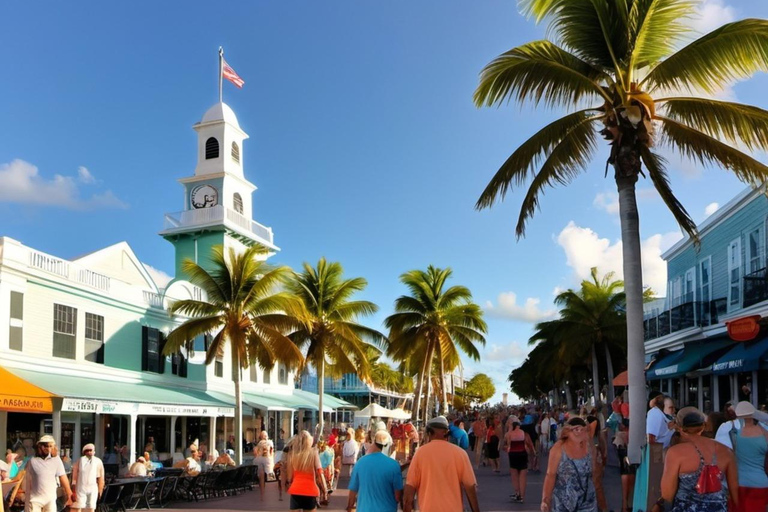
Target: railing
(67, 270)
(153, 299)
(94, 279)
(686, 315)
(213, 215)
(755, 287)
(49, 264)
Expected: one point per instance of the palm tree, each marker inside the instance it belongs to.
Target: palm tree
(329, 334)
(243, 312)
(624, 57)
(433, 321)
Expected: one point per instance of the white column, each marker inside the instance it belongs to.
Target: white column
(700, 387)
(76, 446)
(184, 435)
(715, 393)
(754, 393)
(173, 435)
(735, 389)
(291, 427)
(132, 446)
(211, 434)
(3, 429)
(98, 435)
(57, 426)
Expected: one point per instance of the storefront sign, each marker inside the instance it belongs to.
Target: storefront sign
(183, 410)
(98, 406)
(127, 408)
(744, 329)
(25, 404)
(734, 364)
(666, 371)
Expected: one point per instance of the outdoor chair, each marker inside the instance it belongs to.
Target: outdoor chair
(168, 491)
(111, 499)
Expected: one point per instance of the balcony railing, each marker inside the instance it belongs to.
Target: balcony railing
(686, 315)
(189, 219)
(755, 287)
(67, 270)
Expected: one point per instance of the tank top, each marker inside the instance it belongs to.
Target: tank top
(516, 441)
(750, 460)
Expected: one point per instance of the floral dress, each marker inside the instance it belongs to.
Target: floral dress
(574, 489)
(688, 499)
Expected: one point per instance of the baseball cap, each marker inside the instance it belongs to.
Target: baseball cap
(46, 439)
(230, 452)
(744, 410)
(382, 438)
(690, 417)
(438, 422)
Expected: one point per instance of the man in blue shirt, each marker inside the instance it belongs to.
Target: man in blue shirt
(377, 481)
(459, 436)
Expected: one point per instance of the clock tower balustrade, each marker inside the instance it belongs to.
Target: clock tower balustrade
(214, 217)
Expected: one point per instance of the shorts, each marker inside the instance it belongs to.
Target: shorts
(86, 500)
(492, 448)
(299, 502)
(264, 464)
(38, 507)
(518, 460)
(625, 468)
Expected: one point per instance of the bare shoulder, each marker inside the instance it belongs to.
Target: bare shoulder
(723, 452)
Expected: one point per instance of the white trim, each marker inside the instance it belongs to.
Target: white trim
(748, 267)
(736, 242)
(692, 272)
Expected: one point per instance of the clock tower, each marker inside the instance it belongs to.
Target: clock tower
(218, 207)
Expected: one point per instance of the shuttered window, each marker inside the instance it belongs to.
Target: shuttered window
(15, 334)
(211, 148)
(64, 330)
(152, 342)
(94, 338)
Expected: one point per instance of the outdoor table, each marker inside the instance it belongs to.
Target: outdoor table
(138, 490)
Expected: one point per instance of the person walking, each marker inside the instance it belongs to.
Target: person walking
(350, 449)
(657, 425)
(264, 459)
(518, 445)
(87, 480)
(438, 473)
(750, 445)
(570, 484)
(693, 478)
(492, 444)
(303, 470)
(544, 427)
(377, 480)
(44, 473)
(480, 430)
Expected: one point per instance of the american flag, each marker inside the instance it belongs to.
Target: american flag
(230, 75)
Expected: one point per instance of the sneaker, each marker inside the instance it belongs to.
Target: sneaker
(514, 497)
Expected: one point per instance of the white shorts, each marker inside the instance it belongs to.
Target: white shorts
(86, 500)
(265, 463)
(37, 507)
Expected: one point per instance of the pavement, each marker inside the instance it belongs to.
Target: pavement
(493, 493)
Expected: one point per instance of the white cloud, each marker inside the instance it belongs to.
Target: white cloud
(509, 308)
(514, 352)
(712, 14)
(85, 176)
(557, 291)
(496, 361)
(160, 278)
(21, 182)
(711, 208)
(585, 249)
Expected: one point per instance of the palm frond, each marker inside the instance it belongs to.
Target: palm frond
(655, 29)
(733, 122)
(538, 72)
(706, 149)
(527, 157)
(183, 335)
(189, 307)
(658, 174)
(732, 52)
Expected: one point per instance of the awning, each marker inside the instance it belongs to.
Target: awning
(744, 357)
(306, 400)
(273, 402)
(18, 395)
(693, 356)
(81, 394)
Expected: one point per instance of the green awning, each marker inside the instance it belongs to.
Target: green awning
(695, 355)
(744, 357)
(330, 403)
(88, 394)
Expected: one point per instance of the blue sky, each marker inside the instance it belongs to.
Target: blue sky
(364, 143)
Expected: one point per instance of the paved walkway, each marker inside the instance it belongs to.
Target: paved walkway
(493, 492)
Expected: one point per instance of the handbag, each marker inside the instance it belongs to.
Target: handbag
(710, 479)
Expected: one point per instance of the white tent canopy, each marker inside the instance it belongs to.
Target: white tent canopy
(400, 414)
(375, 411)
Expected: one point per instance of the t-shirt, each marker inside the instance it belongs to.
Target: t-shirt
(42, 477)
(545, 425)
(438, 472)
(375, 479)
(459, 436)
(265, 448)
(326, 457)
(88, 470)
(656, 424)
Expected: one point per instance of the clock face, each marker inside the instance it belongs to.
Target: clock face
(204, 196)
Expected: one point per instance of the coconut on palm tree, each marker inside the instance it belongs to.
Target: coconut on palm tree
(433, 323)
(333, 341)
(243, 312)
(626, 72)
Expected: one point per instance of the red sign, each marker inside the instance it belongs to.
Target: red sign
(744, 329)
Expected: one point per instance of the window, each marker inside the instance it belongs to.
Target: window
(218, 367)
(282, 374)
(235, 152)
(64, 329)
(755, 256)
(211, 148)
(237, 202)
(152, 341)
(705, 295)
(267, 376)
(689, 284)
(16, 321)
(179, 365)
(254, 373)
(675, 287)
(734, 273)
(94, 338)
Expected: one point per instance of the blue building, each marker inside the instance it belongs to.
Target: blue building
(707, 342)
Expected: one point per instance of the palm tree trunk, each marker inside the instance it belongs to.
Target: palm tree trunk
(444, 402)
(609, 371)
(321, 390)
(627, 169)
(238, 410)
(568, 396)
(428, 379)
(419, 391)
(595, 375)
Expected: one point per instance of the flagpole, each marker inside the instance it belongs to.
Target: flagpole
(221, 70)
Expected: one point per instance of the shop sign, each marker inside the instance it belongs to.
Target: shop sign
(734, 364)
(666, 370)
(744, 329)
(25, 404)
(97, 406)
(183, 410)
